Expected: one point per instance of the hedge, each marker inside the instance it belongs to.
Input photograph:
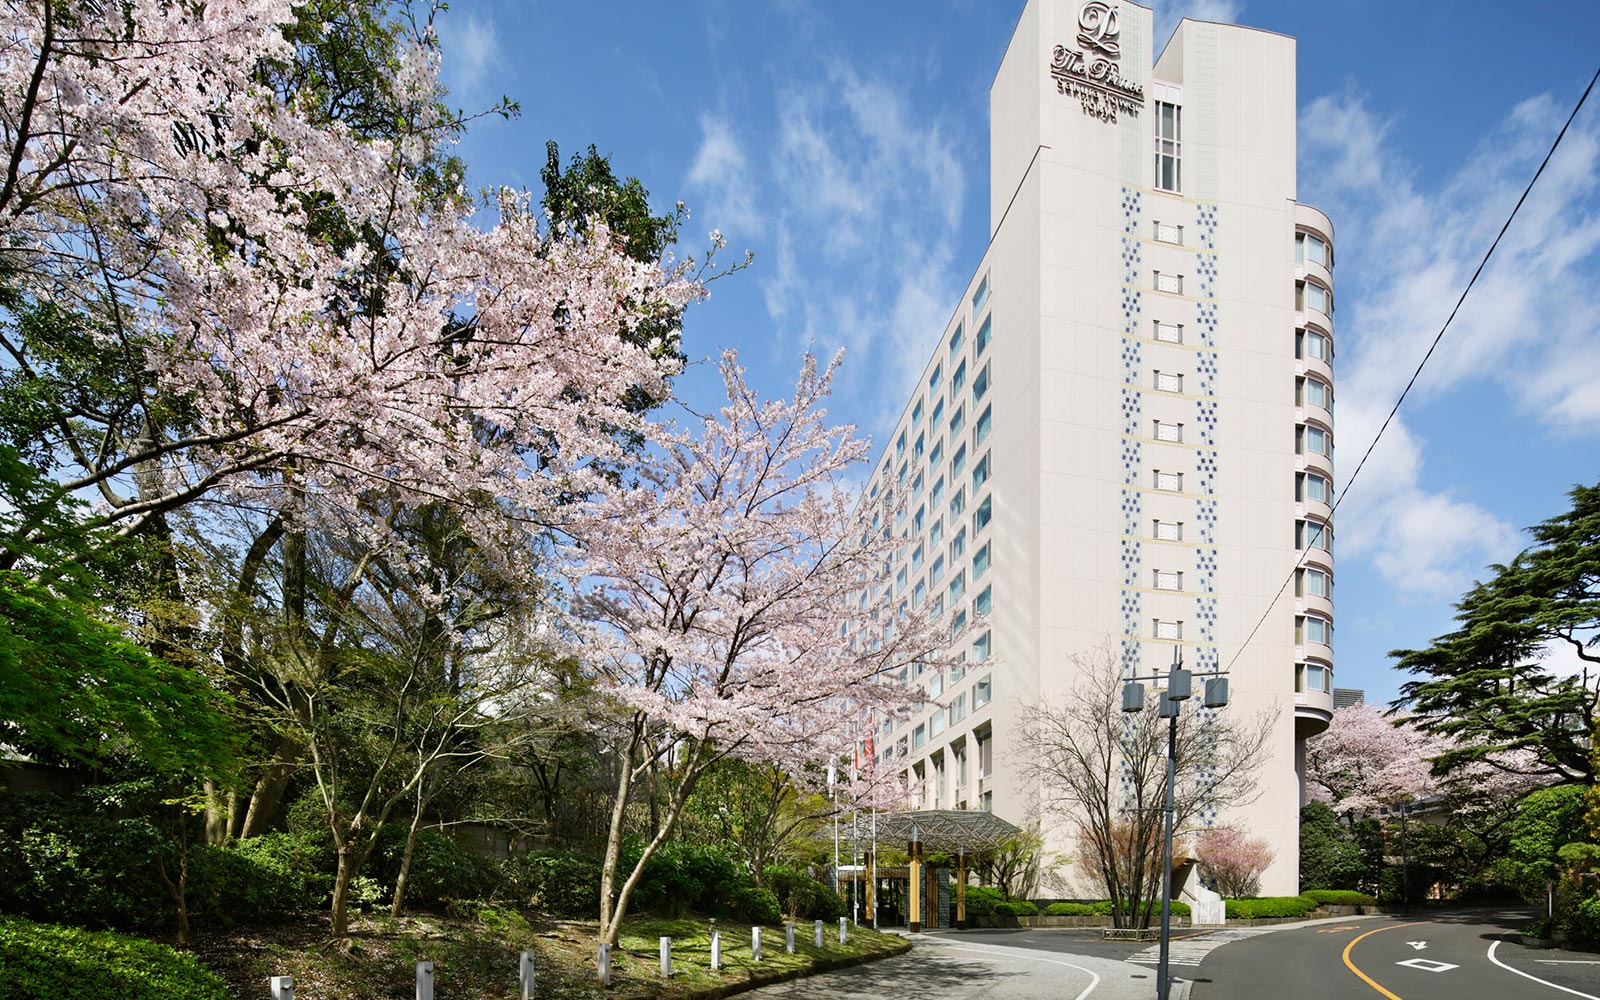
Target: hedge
(1270, 906)
(67, 963)
(1102, 908)
(1339, 897)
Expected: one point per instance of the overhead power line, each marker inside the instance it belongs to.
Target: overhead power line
(1345, 492)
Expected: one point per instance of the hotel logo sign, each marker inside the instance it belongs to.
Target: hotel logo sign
(1092, 72)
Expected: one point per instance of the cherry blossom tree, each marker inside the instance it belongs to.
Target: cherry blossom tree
(1231, 861)
(734, 603)
(299, 315)
(1365, 760)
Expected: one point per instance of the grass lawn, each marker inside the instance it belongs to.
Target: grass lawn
(476, 956)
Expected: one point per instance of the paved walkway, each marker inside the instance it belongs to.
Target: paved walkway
(1190, 947)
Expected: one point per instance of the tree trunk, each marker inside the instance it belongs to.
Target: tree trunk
(219, 814)
(405, 859)
(340, 909)
(608, 867)
(267, 799)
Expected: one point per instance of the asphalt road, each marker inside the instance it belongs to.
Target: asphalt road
(1463, 956)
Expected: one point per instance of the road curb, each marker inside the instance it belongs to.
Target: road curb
(757, 980)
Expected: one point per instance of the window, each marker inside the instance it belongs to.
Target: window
(1313, 392)
(933, 380)
(985, 422)
(1169, 382)
(957, 669)
(958, 622)
(958, 503)
(937, 569)
(957, 418)
(936, 683)
(981, 342)
(1312, 535)
(1312, 677)
(1169, 480)
(984, 601)
(1169, 149)
(955, 342)
(916, 413)
(917, 518)
(1318, 298)
(1314, 487)
(958, 711)
(916, 449)
(1168, 630)
(980, 648)
(900, 747)
(934, 532)
(1312, 248)
(986, 802)
(1314, 583)
(981, 693)
(1313, 628)
(958, 545)
(1311, 344)
(900, 476)
(1314, 440)
(958, 378)
(936, 724)
(1170, 333)
(1169, 432)
(900, 581)
(938, 415)
(958, 586)
(958, 461)
(916, 558)
(919, 593)
(919, 736)
(900, 448)
(1167, 233)
(916, 485)
(982, 514)
(980, 561)
(937, 496)
(1169, 531)
(1169, 283)
(980, 298)
(980, 383)
(1168, 580)
(980, 472)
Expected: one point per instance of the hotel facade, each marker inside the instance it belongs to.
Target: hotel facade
(1125, 432)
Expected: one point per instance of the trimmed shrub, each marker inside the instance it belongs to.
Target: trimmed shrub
(802, 897)
(1016, 908)
(1072, 910)
(1269, 906)
(1339, 897)
(981, 900)
(66, 963)
(249, 884)
(755, 905)
(684, 876)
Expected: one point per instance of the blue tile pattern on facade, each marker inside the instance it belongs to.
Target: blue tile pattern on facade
(1132, 409)
(1207, 320)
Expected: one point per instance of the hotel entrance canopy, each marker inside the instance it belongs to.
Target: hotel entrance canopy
(947, 831)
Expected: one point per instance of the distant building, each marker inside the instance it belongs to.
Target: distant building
(1126, 427)
(1345, 697)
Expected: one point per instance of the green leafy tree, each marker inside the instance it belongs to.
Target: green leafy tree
(1330, 858)
(1487, 683)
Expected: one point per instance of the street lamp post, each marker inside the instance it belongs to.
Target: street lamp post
(1177, 691)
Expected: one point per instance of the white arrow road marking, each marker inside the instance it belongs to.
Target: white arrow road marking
(1419, 945)
(1524, 975)
(1428, 965)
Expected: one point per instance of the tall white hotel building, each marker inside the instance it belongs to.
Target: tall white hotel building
(1126, 428)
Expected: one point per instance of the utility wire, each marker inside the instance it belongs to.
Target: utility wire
(1420, 365)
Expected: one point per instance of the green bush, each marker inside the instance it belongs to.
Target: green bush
(981, 900)
(234, 885)
(66, 963)
(441, 870)
(1339, 897)
(682, 877)
(802, 897)
(755, 905)
(1072, 909)
(559, 883)
(304, 862)
(1269, 906)
(64, 861)
(1016, 908)
(1581, 920)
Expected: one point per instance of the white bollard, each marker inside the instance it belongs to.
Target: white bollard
(844, 930)
(282, 987)
(666, 958)
(716, 950)
(424, 981)
(788, 938)
(755, 944)
(816, 937)
(604, 960)
(526, 975)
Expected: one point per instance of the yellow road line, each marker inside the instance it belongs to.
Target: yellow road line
(1363, 976)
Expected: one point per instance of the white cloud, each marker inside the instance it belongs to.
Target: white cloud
(1405, 253)
(1168, 14)
(721, 170)
(1563, 661)
(471, 52)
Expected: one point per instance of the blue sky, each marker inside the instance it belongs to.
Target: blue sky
(846, 145)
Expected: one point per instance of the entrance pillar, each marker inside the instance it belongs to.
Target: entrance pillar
(961, 889)
(869, 873)
(914, 870)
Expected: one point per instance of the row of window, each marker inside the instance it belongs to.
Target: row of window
(944, 718)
